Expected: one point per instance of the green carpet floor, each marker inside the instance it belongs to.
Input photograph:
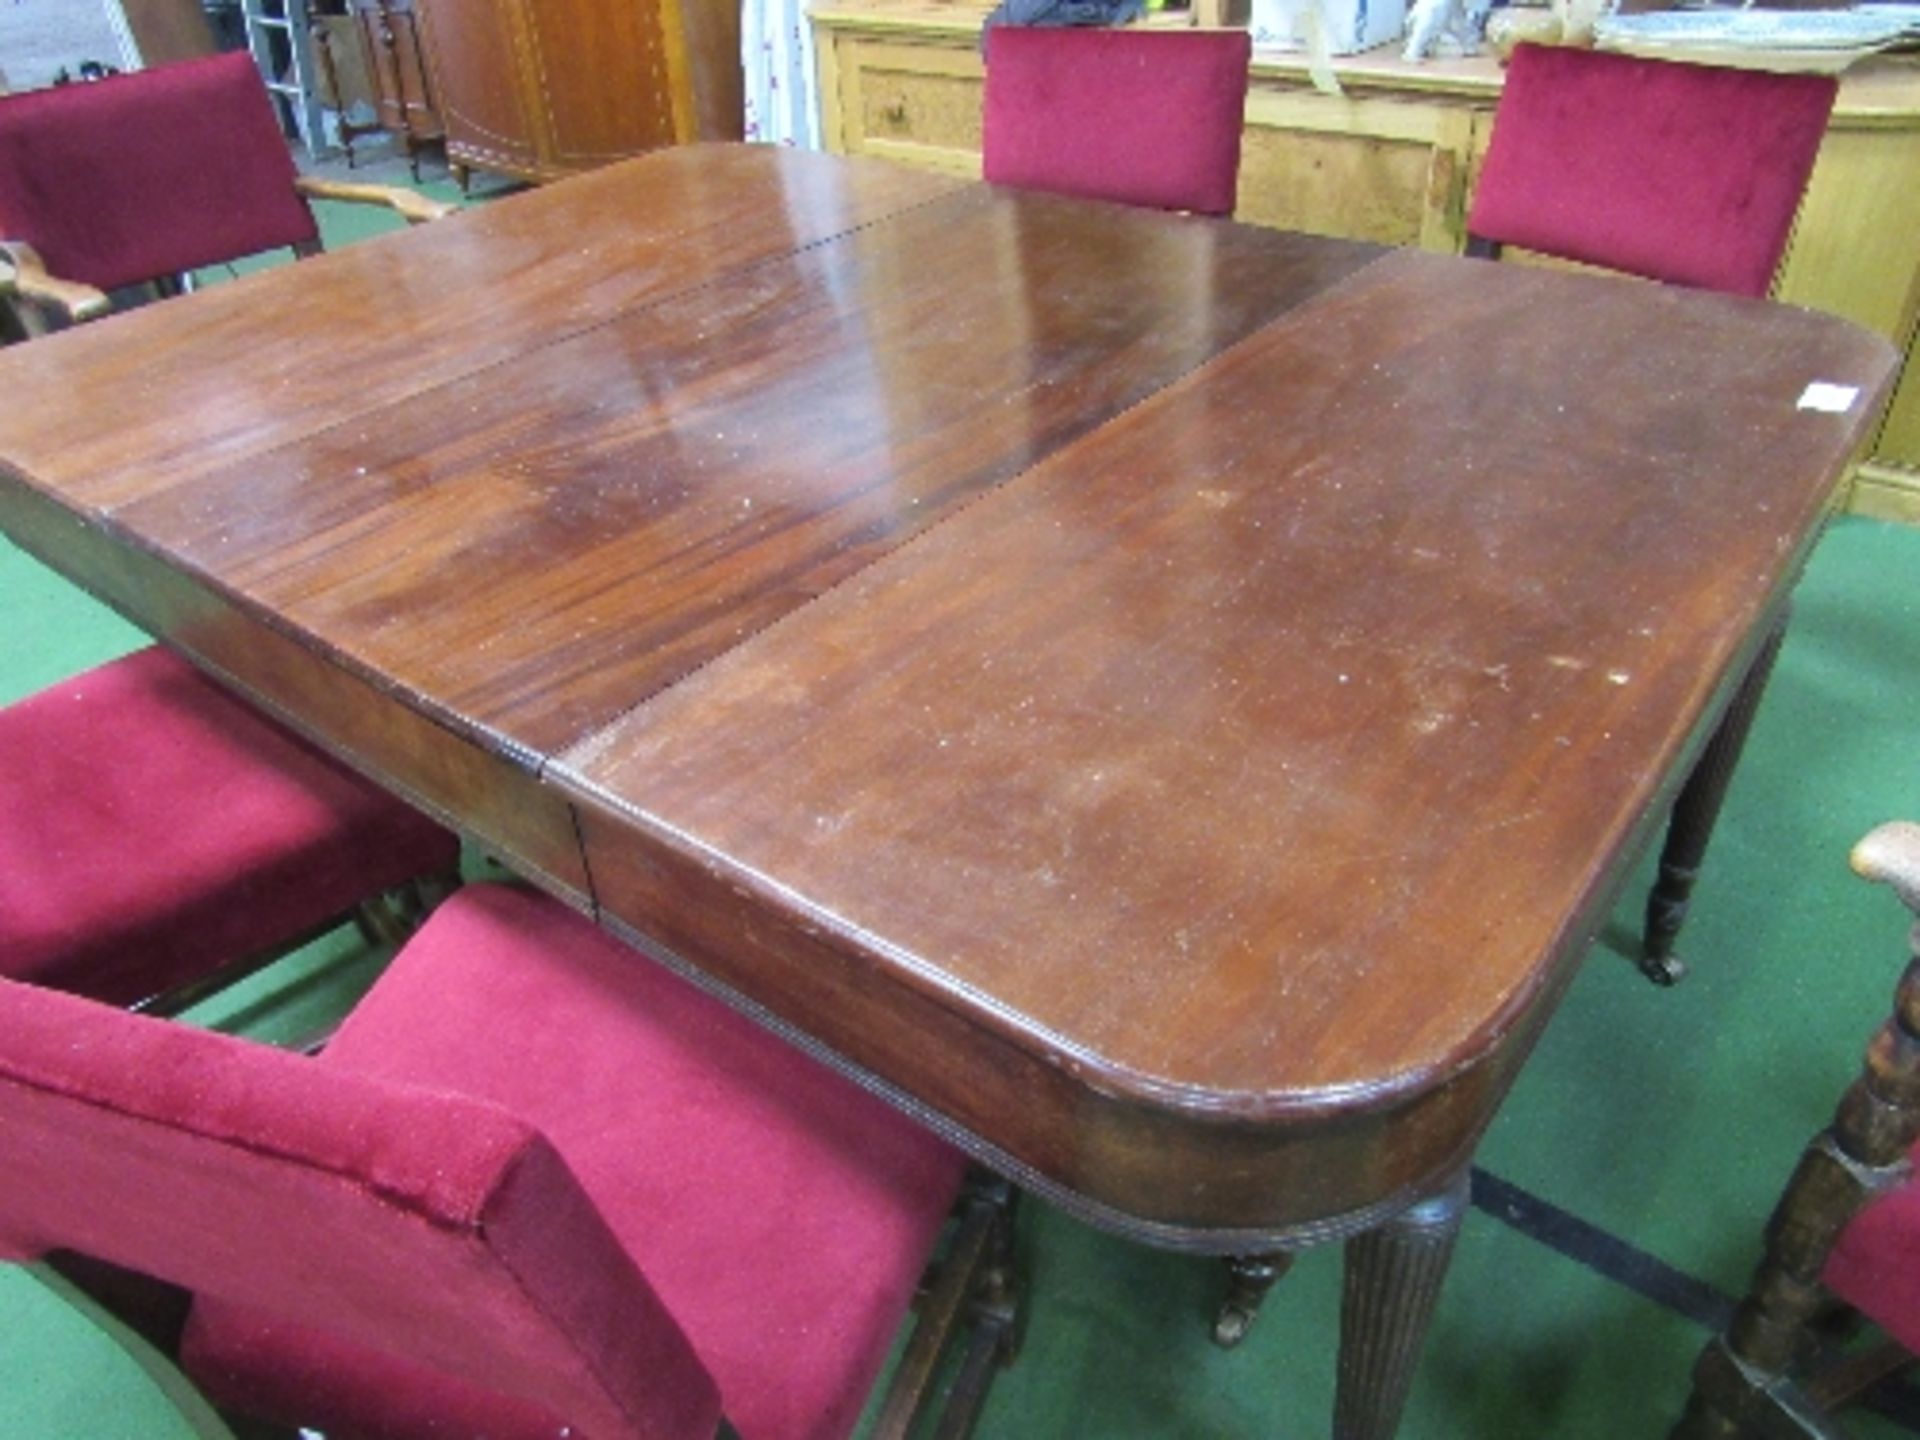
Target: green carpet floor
(1667, 1119)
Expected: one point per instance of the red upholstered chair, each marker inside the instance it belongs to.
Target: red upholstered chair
(1688, 174)
(141, 177)
(157, 834)
(1846, 1232)
(1143, 117)
(536, 1182)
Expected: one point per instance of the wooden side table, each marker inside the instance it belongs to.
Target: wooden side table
(403, 96)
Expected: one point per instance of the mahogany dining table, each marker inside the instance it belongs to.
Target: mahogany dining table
(1165, 701)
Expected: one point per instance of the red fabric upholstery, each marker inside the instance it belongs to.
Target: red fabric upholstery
(152, 828)
(1876, 1266)
(1144, 117)
(149, 174)
(426, 1224)
(782, 1214)
(1685, 173)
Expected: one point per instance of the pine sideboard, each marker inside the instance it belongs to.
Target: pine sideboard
(1393, 158)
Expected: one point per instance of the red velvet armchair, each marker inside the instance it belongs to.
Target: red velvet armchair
(158, 836)
(537, 1181)
(1845, 1235)
(141, 177)
(1687, 174)
(1142, 117)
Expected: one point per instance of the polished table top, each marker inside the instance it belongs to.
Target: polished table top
(1170, 701)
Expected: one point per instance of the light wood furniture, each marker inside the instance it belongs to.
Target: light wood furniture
(538, 89)
(1168, 702)
(1392, 159)
(164, 31)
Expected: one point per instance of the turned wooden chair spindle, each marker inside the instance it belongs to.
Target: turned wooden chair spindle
(1845, 1232)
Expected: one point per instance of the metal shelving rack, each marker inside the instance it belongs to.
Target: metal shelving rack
(281, 41)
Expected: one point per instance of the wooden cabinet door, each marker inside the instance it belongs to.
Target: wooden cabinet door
(1365, 168)
(475, 57)
(391, 42)
(413, 91)
(376, 44)
(605, 80)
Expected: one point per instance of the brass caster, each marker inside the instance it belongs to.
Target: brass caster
(1231, 1325)
(1663, 970)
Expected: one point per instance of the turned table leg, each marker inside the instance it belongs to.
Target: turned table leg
(1393, 1276)
(1695, 810)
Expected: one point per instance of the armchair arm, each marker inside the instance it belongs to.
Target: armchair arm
(23, 273)
(1891, 856)
(415, 207)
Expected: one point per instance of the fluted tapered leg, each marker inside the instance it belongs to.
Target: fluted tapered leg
(1393, 1277)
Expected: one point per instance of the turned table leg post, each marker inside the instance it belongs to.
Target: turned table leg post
(1695, 810)
(1393, 1276)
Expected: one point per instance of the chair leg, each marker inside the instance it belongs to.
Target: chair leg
(387, 919)
(998, 1317)
(392, 917)
(1732, 1402)
(1393, 1278)
(1742, 1382)
(1249, 1278)
(975, 1285)
(1853, 1375)
(1694, 812)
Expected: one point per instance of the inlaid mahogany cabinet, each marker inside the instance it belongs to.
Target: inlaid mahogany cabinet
(538, 89)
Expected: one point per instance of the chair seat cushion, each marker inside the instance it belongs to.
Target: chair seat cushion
(1875, 1264)
(153, 828)
(782, 1213)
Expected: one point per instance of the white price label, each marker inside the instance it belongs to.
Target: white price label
(1829, 399)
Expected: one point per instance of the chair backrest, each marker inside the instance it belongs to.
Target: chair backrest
(1685, 173)
(1144, 117)
(425, 1226)
(152, 173)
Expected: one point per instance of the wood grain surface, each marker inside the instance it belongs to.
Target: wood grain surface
(1266, 754)
(1169, 699)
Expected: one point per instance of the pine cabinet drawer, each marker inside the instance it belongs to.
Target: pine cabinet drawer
(919, 104)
